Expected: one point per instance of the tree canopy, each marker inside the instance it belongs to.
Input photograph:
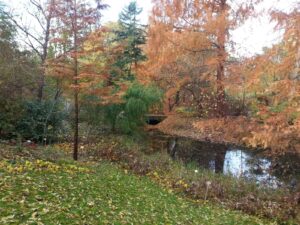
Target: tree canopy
(185, 52)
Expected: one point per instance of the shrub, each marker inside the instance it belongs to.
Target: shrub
(41, 120)
(130, 116)
(111, 114)
(10, 113)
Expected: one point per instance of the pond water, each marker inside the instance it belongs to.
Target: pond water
(240, 163)
(252, 165)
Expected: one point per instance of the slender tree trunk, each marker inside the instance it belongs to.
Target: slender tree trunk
(221, 61)
(76, 116)
(76, 122)
(220, 89)
(175, 103)
(41, 86)
(44, 55)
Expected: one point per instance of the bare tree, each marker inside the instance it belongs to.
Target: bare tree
(42, 12)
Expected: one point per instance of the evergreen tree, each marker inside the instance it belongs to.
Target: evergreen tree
(132, 34)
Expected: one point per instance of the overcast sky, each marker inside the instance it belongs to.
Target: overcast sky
(249, 39)
(116, 7)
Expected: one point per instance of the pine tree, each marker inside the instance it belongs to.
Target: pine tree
(132, 34)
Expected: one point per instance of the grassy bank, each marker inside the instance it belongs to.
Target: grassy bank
(42, 192)
(281, 204)
(76, 183)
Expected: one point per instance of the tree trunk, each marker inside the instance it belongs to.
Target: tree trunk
(220, 90)
(76, 119)
(76, 123)
(44, 56)
(41, 85)
(221, 38)
(175, 103)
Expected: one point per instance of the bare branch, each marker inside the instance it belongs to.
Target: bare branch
(30, 44)
(39, 7)
(38, 20)
(23, 29)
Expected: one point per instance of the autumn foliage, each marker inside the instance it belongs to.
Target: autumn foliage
(97, 91)
(187, 51)
(189, 40)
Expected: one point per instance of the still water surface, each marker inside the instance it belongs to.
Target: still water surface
(252, 165)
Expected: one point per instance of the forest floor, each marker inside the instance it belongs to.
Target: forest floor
(37, 187)
(240, 131)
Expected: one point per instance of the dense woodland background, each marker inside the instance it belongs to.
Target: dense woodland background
(73, 76)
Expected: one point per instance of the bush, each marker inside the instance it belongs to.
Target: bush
(41, 120)
(10, 114)
(130, 116)
(111, 114)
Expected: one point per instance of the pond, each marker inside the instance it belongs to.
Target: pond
(251, 165)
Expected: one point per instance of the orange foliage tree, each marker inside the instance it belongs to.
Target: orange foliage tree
(193, 38)
(75, 20)
(273, 79)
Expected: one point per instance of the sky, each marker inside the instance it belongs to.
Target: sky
(249, 38)
(116, 6)
(258, 33)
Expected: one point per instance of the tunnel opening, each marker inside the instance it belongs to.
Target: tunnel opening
(155, 119)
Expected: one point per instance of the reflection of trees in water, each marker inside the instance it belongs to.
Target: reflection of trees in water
(206, 155)
(220, 159)
(172, 147)
(286, 166)
(257, 165)
(251, 165)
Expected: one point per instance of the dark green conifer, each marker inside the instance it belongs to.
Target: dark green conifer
(132, 34)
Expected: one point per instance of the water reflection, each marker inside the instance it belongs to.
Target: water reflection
(250, 165)
(204, 155)
(239, 163)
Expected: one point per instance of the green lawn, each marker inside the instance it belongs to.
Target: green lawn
(42, 193)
